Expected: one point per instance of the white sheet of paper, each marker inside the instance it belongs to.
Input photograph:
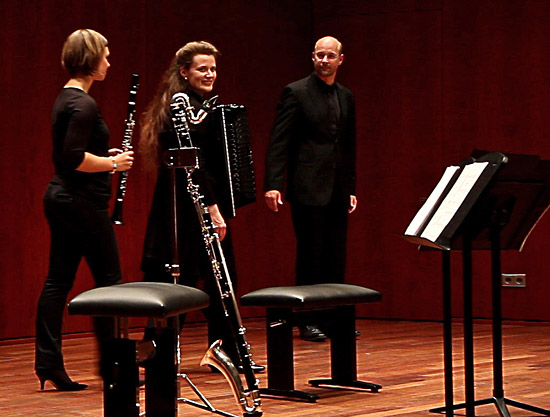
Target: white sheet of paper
(452, 202)
(427, 208)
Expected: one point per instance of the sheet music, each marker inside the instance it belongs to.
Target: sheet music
(454, 199)
(427, 208)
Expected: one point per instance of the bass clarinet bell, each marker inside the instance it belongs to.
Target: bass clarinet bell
(215, 356)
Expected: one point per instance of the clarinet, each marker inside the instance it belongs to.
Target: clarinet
(182, 114)
(126, 146)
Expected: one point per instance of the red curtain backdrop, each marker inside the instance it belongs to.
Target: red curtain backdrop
(433, 79)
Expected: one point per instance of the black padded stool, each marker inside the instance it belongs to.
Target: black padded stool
(160, 301)
(335, 303)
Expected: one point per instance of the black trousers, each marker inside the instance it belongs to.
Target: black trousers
(78, 230)
(321, 241)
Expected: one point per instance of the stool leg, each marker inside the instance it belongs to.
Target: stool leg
(343, 353)
(280, 357)
(343, 350)
(280, 350)
(161, 377)
(121, 376)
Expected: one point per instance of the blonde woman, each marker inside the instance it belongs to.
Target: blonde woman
(76, 202)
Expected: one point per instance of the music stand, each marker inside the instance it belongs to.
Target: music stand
(497, 211)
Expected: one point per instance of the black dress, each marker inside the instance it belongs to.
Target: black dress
(194, 263)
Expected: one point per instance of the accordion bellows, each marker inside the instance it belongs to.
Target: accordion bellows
(238, 154)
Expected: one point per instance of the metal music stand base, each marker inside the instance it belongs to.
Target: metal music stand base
(205, 405)
(498, 398)
(500, 403)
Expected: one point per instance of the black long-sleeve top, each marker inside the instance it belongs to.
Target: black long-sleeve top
(78, 127)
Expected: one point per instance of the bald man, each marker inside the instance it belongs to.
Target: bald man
(311, 155)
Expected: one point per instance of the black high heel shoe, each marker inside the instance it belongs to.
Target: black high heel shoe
(60, 379)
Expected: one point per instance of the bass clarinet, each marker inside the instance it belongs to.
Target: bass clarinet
(248, 399)
(126, 146)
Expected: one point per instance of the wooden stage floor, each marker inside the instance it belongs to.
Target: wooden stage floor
(404, 357)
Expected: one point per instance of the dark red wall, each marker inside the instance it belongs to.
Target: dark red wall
(433, 80)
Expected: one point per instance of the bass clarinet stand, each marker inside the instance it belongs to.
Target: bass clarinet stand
(183, 158)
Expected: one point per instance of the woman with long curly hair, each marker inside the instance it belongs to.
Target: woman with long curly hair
(192, 71)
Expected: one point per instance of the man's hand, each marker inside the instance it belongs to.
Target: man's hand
(352, 203)
(273, 199)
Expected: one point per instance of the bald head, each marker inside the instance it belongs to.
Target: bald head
(329, 41)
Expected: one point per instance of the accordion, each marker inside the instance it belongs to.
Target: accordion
(235, 136)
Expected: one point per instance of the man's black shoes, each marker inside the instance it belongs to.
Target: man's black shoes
(312, 334)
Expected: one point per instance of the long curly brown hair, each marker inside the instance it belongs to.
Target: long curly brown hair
(157, 114)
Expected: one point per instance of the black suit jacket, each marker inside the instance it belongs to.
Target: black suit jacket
(303, 152)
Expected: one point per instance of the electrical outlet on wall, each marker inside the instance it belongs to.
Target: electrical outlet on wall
(514, 280)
